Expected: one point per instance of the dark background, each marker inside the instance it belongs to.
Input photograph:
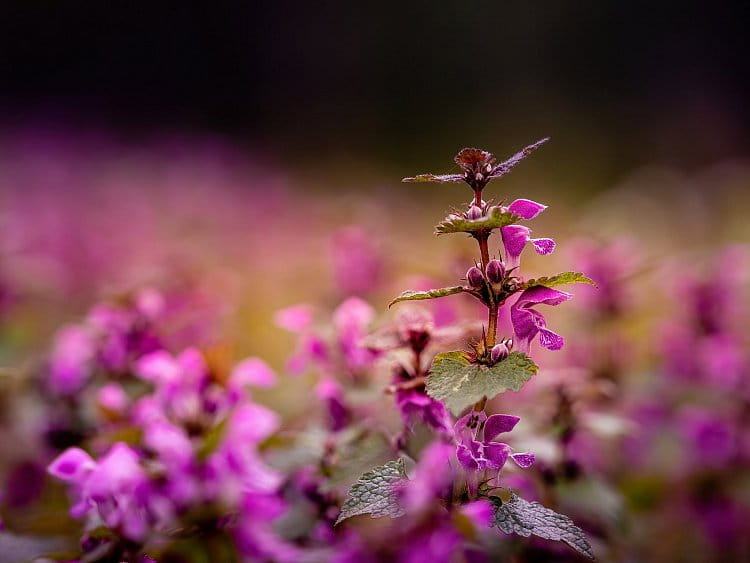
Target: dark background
(617, 84)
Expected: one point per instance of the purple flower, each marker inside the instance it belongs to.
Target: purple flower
(415, 405)
(329, 391)
(72, 466)
(297, 318)
(112, 399)
(526, 209)
(351, 320)
(515, 238)
(236, 465)
(71, 363)
(431, 478)
(711, 440)
(528, 322)
(251, 372)
(116, 487)
(477, 449)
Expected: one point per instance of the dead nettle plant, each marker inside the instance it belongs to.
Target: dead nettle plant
(464, 380)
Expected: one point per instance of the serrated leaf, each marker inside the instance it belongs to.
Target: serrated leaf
(518, 516)
(504, 167)
(440, 178)
(459, 383)
(410, 295)
(376, 493)
(496, 219)
(560, 279)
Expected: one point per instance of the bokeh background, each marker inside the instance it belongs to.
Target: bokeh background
(246, 157)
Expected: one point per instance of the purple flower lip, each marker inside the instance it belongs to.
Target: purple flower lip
(477, 449)
(528, 322)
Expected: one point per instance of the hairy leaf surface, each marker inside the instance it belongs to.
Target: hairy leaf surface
(439, 178)
(496, 219)
(518, 516)
(459, 383)
(560, 279)
(376, 493)
(410, 295)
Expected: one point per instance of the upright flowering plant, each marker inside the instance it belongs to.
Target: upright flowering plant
(464, 380)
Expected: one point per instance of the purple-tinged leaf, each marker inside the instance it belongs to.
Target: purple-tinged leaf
(518, 516)
(504, 167)
(376, 493)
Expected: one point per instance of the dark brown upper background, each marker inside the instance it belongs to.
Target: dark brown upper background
(400, 84)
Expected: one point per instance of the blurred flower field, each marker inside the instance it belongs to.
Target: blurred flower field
(199, 362)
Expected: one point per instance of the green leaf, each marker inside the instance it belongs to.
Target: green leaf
(518, 516)
(439, 178)
(410, 295)
(560, 279)
(376, 492)
(496, 219)
(459, 383)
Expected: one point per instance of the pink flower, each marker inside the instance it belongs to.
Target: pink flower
(477, 449)
(528, 322)
(515, 238)
(71, 363)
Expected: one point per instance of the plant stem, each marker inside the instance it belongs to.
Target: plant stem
(492, 325)
(484, 250)
(478, 198)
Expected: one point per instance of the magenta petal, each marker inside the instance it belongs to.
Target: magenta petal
(550, 340)
(542, 295)
(523, 460)
(497, 424)
(465, 427)
(526, 209)
(465, 458)
(297, 318)
(496, 454)
(252, 371)
(515, 238)
(543, 246)
(480, 512)
(71, 465)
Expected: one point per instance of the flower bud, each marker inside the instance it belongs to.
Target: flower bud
(474, 212)
(474, 277)
(499, 352)
(495, 271)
